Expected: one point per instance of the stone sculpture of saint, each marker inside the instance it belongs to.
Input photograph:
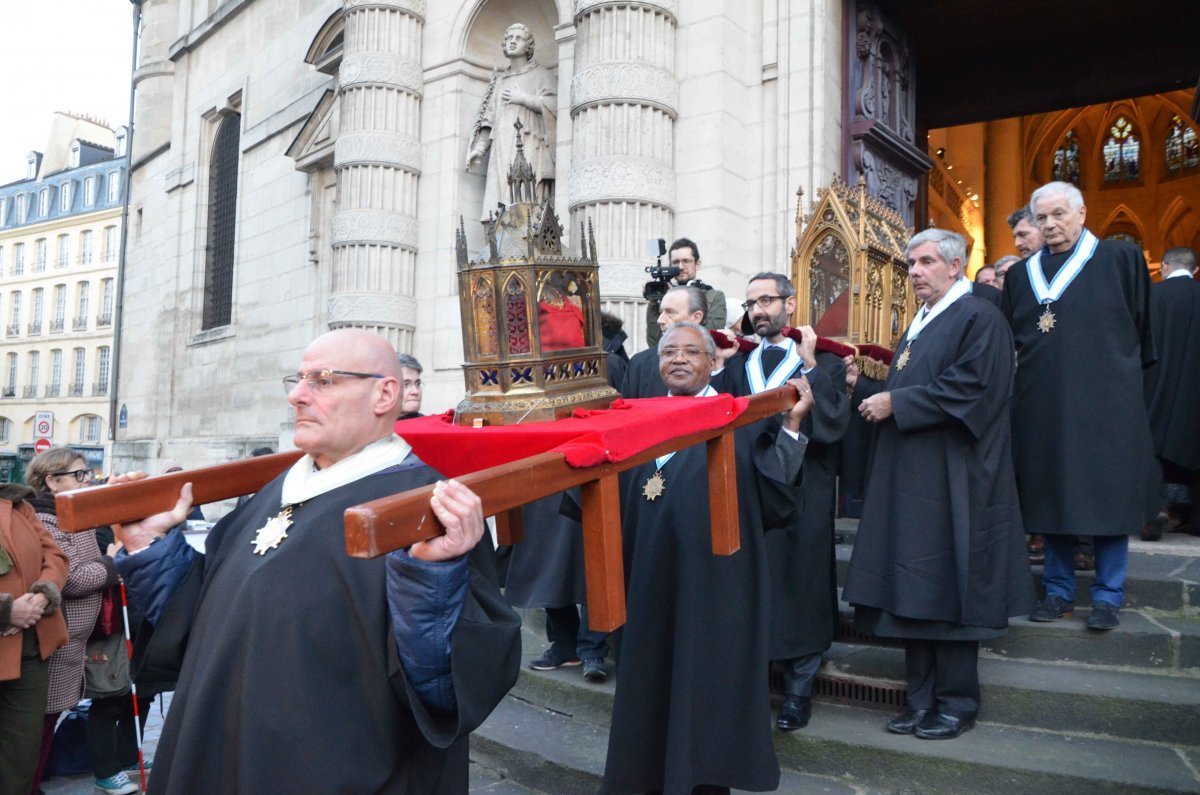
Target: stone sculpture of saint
(525, 91)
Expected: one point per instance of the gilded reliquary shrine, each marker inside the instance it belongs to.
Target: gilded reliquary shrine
(531, 321)
(849, 268)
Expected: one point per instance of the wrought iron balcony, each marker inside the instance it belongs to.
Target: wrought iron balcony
(9, 391)
(52, 390)
(13, 329)
(103, 320)
(76, 390)
(35, 328)
(99, 389)
(56, 325)
(31, 391)
(80, 324)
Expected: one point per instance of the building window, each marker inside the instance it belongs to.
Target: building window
(1066, 159)
(35, 363)
(89, 429)
(75, 154)
(55, 373)
(110, 243)
(14, 314)
(3, 210)
(19, 259)
(64, 197)
(1, 260)
(89, 191)
(5, 430)
(44, 202)
(22, 208)
(80, 361)
(85, 247)
(1183, 150)
(10, 388)
(103, 359)
(35, 319)
(64, 250)
(39, 255)
(1121, 152)
(60, 307)
(106, 302)
(222, 222)
(114, 185)
(81, 307)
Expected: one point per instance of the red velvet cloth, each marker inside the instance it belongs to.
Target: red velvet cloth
(561, 327)
(587, 438)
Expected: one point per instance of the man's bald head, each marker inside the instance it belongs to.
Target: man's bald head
(360, 398)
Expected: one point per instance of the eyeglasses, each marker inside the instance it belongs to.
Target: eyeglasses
(418, 384)
(762, 302)
(318, 380)
(80, 475)
(692, 352)
(683, 261)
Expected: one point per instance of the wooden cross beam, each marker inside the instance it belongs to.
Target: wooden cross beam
(397, 522)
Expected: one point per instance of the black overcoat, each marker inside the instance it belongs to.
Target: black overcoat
(1081, 434)
(1173, 383)
(691, 704)
(940, 538)
(801, 557)
(291, 682)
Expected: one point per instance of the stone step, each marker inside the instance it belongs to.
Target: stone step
(1157, 582)
(1050, 696)
(1144, 642)
(551, 734)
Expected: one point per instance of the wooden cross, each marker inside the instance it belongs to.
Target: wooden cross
(397, 522)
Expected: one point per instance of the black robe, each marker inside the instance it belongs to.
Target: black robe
(1081, 435)
(643, 378)
(940, 551)
(1173, 383)
(690, 706)
(291, 681)
(988, 293)
(803, 566)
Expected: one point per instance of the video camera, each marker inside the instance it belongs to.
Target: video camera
(661, 275)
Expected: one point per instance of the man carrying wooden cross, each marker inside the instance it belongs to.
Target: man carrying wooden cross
(691, 713)
(302, 669)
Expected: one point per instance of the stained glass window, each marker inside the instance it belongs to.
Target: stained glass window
(1183, 150)
(1121, 152)
(1066, 159)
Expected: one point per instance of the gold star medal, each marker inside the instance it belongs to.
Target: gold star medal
(273, 532)
(1046, 321)
(902, 362)
(655, 486)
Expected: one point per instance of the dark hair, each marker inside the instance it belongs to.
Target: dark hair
(1023, 214)
(610, 324)
(683, 242)
(782, 283)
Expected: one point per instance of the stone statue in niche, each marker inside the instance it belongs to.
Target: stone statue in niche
(527, 92)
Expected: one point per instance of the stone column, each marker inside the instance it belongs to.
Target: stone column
(624, 100)
(377, 158)
(1003, 175)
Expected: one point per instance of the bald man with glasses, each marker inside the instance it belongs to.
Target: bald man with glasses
(283, 642)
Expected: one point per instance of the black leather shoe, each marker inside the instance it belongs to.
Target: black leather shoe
(794, 713)
(906, 722)
(937, 726)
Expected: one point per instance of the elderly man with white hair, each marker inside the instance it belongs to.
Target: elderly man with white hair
(940, 560)
(1080, 315)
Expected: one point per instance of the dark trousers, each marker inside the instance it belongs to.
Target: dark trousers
(111, 739)
(569, 636)
(798, 675)
(22, 711)
(49, 722)
(943, 675)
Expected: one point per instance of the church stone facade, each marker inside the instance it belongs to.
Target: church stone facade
(301, 165)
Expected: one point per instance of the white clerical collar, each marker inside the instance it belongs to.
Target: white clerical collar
(957, 290)
(304, 481)
(1182, 273)
(708, 391)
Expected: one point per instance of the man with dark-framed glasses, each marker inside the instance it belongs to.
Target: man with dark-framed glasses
(803, 615)
(282, 641)
(684, 254)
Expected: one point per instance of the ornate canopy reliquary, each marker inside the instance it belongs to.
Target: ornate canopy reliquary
(530, 316)
(849, 268)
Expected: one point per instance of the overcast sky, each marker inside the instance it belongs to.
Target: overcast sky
(68, 55)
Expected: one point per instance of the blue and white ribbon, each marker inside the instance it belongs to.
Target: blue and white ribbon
(1048, 293)
(708, 391)
(754, 371)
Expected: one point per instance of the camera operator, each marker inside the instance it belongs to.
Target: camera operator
(685, 261)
